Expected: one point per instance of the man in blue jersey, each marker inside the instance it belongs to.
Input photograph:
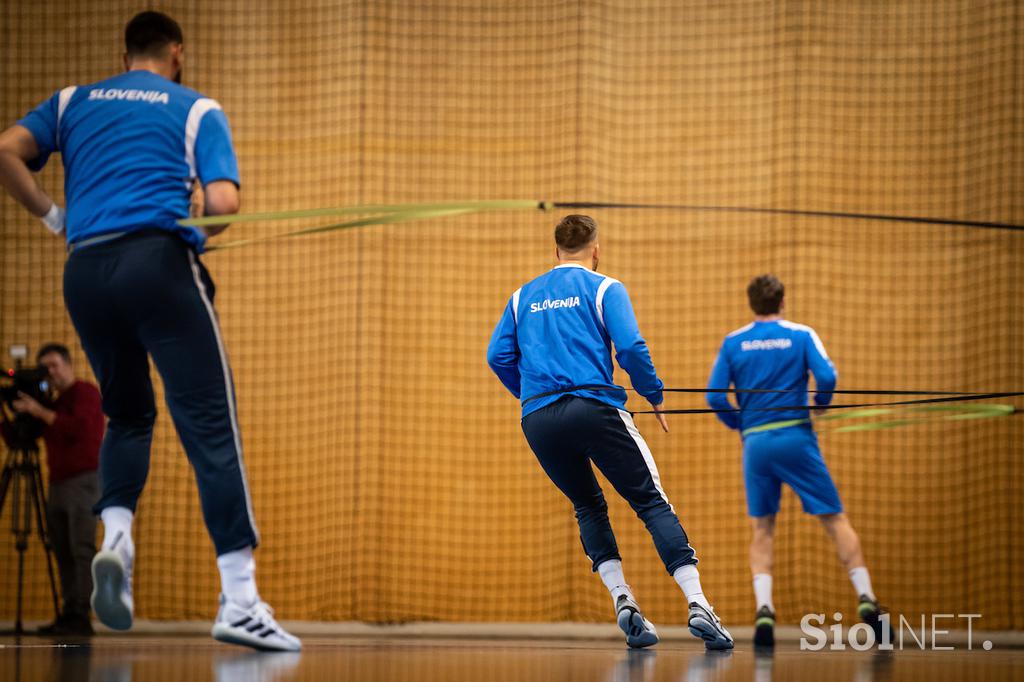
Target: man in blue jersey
(552, 350)
(134, 147)
(780, 446)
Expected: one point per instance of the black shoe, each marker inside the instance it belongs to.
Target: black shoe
(76, 626)
(764, 627)
(52, 628)
(871, 612)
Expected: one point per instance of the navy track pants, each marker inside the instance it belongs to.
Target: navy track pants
(147, 295)
(571, 433)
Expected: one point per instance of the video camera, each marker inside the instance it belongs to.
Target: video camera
(32, 381)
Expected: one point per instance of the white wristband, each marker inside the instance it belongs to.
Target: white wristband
(54, 219)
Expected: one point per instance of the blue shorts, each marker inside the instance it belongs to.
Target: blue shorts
(791, 456)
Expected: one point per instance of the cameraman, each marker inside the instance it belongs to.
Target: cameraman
(73, 430)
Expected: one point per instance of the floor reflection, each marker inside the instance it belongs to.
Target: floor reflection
(198, 659)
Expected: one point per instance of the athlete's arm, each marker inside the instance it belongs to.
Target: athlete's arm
(503, 352)
(630, 348)
(217, 167)
(721, 377)
(17, 148)
(822, 368)
(221, 197)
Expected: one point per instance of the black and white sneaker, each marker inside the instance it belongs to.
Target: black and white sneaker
(112, 585)
(871, 612)
(252, 626)
(764, 627)
(706, 625)
(639, 631)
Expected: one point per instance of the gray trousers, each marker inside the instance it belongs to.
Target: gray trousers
(72, 527)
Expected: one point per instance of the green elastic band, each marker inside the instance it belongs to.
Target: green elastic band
(930, 413)
(404, 209)
(772, 426)
(400, 217)
(384, 214)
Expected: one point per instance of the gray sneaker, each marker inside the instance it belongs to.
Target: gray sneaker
(705, 625)
(639, 631)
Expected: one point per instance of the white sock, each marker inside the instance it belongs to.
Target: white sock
(689, 581)
(117, 528)
(862, 582)
(613, 578)
(763, 591)
(238, 576)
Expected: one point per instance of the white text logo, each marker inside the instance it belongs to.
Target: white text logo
(550, 304)
(861, 636)
(767, 344)
(151, 96)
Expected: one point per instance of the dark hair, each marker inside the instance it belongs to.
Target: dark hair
(149, 33)
(574, 232)
(57, 348)
(765, 294)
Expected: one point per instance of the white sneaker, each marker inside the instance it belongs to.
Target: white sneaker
(706, 625)
(252, 626)
(112, 585)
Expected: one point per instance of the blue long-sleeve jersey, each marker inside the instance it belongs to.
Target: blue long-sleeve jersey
(770, 355)
(557, 332)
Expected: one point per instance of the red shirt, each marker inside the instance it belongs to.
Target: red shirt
(73, 440)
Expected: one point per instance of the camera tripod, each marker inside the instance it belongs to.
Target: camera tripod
(22, 477)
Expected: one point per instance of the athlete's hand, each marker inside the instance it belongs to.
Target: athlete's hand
(54, 219)
(660, 417)
(197, 206)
